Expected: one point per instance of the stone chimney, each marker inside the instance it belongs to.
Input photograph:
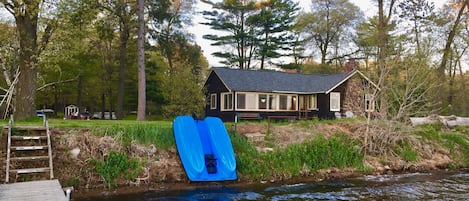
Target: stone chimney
(351, 64)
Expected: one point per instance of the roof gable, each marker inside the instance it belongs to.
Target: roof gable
(274, 81)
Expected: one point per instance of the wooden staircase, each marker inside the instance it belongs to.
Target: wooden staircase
(29, 152)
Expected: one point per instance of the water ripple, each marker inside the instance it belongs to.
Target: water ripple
(416, 186)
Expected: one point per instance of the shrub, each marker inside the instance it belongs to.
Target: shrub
(117, 166)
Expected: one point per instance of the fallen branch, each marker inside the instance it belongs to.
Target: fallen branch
(448, 121)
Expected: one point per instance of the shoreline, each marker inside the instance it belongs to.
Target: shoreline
(187, 186)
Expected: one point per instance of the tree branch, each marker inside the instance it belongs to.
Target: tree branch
(343, 56)
(51, 25)
(54, 83)
(9, 7)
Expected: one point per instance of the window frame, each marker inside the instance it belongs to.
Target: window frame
(369, 102)
(238, 101)
(334, 96)
(313, 104)
(223, 101)
(213, 101)
(272, 101)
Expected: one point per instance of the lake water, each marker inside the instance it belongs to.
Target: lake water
(415, 186)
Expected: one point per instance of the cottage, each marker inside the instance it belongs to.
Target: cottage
(231, 92)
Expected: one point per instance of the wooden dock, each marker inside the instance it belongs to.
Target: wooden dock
(34, 190)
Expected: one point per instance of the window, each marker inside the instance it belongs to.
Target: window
(254, 101)
(272, 102)
(241, 101)
(283, 102)
(227, 101)
(251, 103)
(287, 102)
(293, 102)
(313, 102)
(369, 103)
(262, 101)
(335, 101)
(213, 101)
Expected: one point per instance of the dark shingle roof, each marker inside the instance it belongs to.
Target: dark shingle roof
(275, 81)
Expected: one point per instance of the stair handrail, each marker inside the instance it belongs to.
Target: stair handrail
(7, 168)
(49, 146)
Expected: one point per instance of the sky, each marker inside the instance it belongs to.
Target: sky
(198, 30)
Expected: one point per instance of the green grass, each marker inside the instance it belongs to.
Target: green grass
(116, 166)
(407, 153)
(339, 151)
(429, 132)
(457, 142)
(159, 133)
(143, 133)
(78, 123)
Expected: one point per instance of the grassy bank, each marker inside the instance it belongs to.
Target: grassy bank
(116, 153)
(296, 159)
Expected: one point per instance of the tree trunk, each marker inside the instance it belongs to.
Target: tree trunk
(449, 41)
(79, 90)
(111, 107)
(103, 104)
(451, 90)
(383, 25)
(124, 37)
(323, 47)
(141, 63)
(266, 42)
(417, 38)
(26, 23)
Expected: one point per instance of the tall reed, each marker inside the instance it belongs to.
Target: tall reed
(160, 136)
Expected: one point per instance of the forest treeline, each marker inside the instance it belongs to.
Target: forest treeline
(84, 52)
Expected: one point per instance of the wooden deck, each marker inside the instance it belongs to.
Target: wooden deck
(34, 190)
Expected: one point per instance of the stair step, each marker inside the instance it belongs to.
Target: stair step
(30, 128)
(28, 148)
(30, 170)
(29, 158)
(28, 137)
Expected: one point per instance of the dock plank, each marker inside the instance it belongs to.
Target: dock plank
(35, 190)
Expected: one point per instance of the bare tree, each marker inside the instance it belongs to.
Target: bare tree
(412, 90)
(329, 24)
(449, 40)
(384, 25)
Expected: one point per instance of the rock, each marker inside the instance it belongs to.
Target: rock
(349, 114)
(74, 152)
(254, 137)
(334, 170)
(380, 169)
(264, 149)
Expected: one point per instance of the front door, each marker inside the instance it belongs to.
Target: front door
(303, 106)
